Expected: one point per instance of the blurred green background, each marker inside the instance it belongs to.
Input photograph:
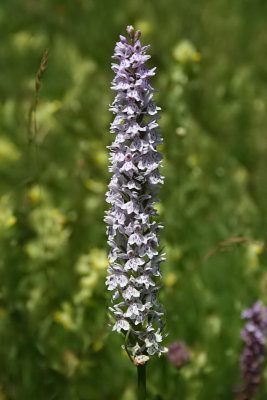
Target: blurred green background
(212, 79)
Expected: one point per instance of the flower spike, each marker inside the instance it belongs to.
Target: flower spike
(133, 232)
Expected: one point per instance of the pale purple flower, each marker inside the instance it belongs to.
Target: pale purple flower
(132, 230)
(253, 353)
(178, 354)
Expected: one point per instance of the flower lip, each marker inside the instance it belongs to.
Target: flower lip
(137, 228)
(130, 253)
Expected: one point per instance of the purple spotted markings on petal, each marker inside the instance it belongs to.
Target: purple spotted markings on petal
(134, 259)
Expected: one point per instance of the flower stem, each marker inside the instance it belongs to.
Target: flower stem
(141, 373)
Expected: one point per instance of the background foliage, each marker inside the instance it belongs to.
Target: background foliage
(211, 62)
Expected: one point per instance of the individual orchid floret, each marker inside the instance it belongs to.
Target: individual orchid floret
(132, 228)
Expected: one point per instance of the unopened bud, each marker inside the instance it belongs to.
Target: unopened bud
(137, 34)
(130, 31)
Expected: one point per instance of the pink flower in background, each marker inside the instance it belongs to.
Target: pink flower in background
(178, 354)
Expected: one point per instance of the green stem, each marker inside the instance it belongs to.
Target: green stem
(141, 373)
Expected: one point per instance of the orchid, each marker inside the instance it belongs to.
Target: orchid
(132, 228)
(253, 354)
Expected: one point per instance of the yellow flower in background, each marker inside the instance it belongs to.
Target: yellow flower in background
(253, 252)
(200, 363)
(46, 110)
(82, 296)
(60, 218)
(95, 259)
(91, 267)
(89, 281)
(171, 275)
(47, 220)
(185, 52)
(98, 259)
(11, 221)
(52, 235)
(7, 218)
(65, 317)
(159, 207)
(201, 359)
(100, 157)
(38, 194)
(8, 151)
(62, 319)
(34, 194)
(170, 279)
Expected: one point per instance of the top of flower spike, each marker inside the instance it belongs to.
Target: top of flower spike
(134, 36)
(258, 311)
